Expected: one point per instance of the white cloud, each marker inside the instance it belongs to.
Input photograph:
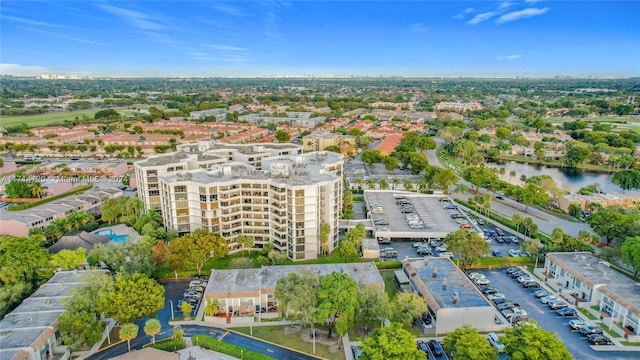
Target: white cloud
(227, 48)
(509, 57)
(30, 22)
(505, 4)
(521, 14)
(229, 10)
(419, 27)
(136, 19)
(23, 70)
(468, 10)
(482, 17)
(532, 1)
(461, 15)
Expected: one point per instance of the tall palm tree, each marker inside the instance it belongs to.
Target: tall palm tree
(151, 328)
(384, 184)
(461, 188)
(517, 221)
(359, 183)
(512, 173)
(408, 185)
(371, 183)
(502, 171)
(396, 182)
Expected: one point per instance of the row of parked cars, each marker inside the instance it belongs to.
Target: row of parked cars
(432, 347)
(193, 294)
(509, 309)
(593, 333)
(424, 249)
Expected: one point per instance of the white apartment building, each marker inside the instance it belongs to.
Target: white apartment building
(270, 192)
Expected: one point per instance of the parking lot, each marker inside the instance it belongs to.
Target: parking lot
(548, 319)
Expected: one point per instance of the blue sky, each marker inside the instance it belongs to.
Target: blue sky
(268, 38)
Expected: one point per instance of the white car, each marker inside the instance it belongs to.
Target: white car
(546, 299)
(495, 296)
(514, 253)
(476, 275)
(442, 248)
(576, 324)
(524, 278)
(418, 244)
(482, 281)
(495, 342)
(446, 254)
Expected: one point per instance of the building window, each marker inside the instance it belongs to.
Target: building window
(180, 188)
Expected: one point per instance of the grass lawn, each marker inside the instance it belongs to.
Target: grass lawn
(275, 334)
(587, 314)
(627, 343)
(611, 333)
(389, 284)
(45, 119)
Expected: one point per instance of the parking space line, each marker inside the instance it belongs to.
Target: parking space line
(223, 335)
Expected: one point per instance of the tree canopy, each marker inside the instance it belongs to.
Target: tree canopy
(296, 294)
(466, 343)
(391, 343)
(337, 300)
(468, 244)
(407, 306)
(534, 343)
(630, 251)
(131, 297)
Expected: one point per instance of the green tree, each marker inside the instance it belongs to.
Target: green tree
(69, 259)
(391, 343)
(466, 343)
(282, 136)
(131, 297)
(532, 194)
(384, 184)
(370, 157)
(578, 152)
(444, 178)
(407, 306)
(337, 299)
(36, 189)
(22, 259)
(630, 251)
(574, 210)
(627, 179)
(478, 176)
(516, 219)
(18, 189)
(350, 245)
(373, 308)
(468, 244)
(114, 255)
(531, 246)
(390, 163)
(12, 294)
(333, 148)
(503, 133)
(128, 332)
(534, 343)
(609, 223)
(151, 328)
(198, 247)
(296, 295)
(325, 231)
(186, 309)
(245, 241)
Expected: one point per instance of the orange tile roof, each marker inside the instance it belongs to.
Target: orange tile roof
(389, 144)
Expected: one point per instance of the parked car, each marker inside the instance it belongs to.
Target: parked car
(436, 348)
(523, 278)
(511, 270)
(495, 296)
(476, 275)
(576, 324)
(567, 312)
(489, 290)
(499, 231)
(557, 304)
(541, 293)
(514, 239)
(496, 253)
(505, 306)
(426, 318)
(501, 301)
(482, 281)
(531, 285)
(449, 255)
(424, 251)
(418, 244)
(597, 339)
(517, 274)
(441, 248)
(499, 197)
(480, 222)
(514, 253)
(424, 347)
(495, 342)
(546, 299)
(590, 330)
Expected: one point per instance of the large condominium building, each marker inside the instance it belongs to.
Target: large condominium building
(271, 192)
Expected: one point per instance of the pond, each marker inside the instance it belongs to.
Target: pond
(573, 178)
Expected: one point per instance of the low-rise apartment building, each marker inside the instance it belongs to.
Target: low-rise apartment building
(319, 140)
(271, 192)
(592, 282)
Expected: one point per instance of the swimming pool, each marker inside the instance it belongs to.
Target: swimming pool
(114, 238)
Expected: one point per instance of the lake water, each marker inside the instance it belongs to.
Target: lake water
(574, 178)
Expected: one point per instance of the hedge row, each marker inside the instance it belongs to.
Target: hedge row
(382, 265)
(228, 349)
(169, 345)
(49, 199)
(492, 261)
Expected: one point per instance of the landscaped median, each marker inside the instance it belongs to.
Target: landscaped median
(228, 349)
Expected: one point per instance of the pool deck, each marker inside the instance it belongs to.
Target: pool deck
(122, 229)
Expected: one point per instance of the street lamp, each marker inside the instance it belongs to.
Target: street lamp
(171, 302)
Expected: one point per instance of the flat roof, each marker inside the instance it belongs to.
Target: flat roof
(592, 271)
(437, 220)
(250, 282)
(33, 321)
(433, 289)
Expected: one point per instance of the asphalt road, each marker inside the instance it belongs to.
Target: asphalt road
(173, 292)
(548, 319)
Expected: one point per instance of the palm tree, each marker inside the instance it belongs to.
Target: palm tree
(422, 185)
(36, 188)
(502, 171)
(359, 183)
(325, 230)
(408, 185)
(128, 332)
(461, 188)
(371, 183)
(245, 241)
(384, 184)
(151, 328)
(512, 173)
(517, 221)
(396, 182)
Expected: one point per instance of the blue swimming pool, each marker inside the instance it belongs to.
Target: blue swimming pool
(114, 238)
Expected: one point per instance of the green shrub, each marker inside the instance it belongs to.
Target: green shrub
(169, 345)
(49, 199)
(228, 349)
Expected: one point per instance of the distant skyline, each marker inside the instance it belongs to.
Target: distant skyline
(144, 38)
